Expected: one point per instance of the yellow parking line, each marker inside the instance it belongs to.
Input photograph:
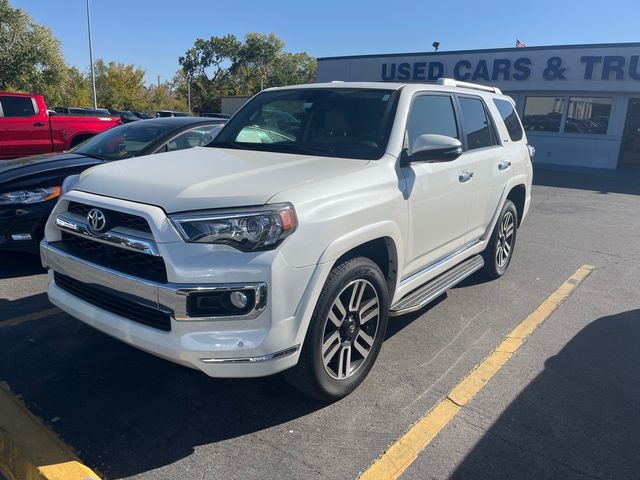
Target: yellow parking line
(12, 322)
(403, 452)
(30, 450)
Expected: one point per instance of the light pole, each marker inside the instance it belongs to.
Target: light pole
(189, 93)
(93, 74)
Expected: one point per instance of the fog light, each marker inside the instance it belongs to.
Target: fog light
(238, 299)
(21, 236)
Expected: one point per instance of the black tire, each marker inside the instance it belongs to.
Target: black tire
(496, 262)
(317, 378)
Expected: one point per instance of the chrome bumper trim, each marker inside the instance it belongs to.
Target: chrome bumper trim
(169, 295)
(117, 239)
(262, 358)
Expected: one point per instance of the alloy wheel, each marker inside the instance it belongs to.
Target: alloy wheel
(350, 329)
(505, 239)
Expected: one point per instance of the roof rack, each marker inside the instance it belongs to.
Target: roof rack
(450, 82)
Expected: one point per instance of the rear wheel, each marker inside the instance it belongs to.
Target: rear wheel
(346, 331)
(499, 251)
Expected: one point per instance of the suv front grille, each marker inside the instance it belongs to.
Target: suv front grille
(137, 264)
(108, 300)
(117, 219)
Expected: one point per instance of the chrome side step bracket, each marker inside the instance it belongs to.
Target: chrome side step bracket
(436, 287)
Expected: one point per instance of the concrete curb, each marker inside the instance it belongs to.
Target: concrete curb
(30, 450)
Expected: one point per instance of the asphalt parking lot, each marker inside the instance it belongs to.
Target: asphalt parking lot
(567, 404)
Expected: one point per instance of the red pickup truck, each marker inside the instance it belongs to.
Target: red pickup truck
(27, 127)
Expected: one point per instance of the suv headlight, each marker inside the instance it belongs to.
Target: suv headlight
(247, 229)
(32, 195)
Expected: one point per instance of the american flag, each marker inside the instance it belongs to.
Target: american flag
(519, 44)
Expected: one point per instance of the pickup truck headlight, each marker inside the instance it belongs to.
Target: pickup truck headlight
(32, 195)
(247, 229)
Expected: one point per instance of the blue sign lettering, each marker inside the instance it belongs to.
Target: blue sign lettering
(611, 67)
(481, 72)
(419, 70)
(457, 70)
(501, 66)
(436, 71)
(613, 64)
(633, 67)
(523, 67)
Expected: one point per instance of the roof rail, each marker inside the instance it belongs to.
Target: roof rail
(450, 82)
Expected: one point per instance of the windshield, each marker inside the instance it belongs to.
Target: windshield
(335, 122)
(122, 142)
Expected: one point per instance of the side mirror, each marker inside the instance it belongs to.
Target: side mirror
(433, 148)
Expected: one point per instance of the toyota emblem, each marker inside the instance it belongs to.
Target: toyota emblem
(97, 220)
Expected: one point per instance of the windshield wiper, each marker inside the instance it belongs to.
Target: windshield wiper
(90, 155)
(313, 149)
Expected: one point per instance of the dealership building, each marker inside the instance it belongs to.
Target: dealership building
(580, 104)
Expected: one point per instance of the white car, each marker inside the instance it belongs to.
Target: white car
(285, 244)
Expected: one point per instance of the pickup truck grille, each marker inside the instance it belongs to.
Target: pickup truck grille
(111, 302)
(118, 219)
(141, 265)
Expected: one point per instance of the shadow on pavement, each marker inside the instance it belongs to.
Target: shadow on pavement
(580, 418)
(622, 180)
(14, 264)
(127, 412)
(9, 309)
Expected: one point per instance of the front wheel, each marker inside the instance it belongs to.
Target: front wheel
(499, 251)
(346, 331)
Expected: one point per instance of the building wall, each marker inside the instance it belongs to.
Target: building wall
(608, 70)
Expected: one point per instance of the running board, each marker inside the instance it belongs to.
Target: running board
(436, 287)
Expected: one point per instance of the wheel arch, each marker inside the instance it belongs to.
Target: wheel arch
(518, 195)
(383, 252)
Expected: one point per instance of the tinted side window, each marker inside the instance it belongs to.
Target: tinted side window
(431, 114)
(510, 118)
(475, 123)
(17, 107)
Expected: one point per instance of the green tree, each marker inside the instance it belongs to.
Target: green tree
(75, 89)
(224, 66)
(30, 58)
(119, 85)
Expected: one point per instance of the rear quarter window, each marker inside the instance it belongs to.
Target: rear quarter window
(510, 119)
(17, 106)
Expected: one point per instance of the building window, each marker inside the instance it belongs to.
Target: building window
(543, 114)
(588, 115)
(510, 118)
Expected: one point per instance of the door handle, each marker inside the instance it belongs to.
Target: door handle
(39, 124)
(465, 176)
(504, 164)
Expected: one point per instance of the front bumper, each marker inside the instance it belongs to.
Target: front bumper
(22, 226)
(252, 345)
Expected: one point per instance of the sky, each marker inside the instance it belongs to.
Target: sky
(152, 34)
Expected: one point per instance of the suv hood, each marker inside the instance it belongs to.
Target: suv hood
(206, 178)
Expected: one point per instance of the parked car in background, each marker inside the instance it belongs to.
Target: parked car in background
(27, 128)
(81, 111)
(170, 113)
(29, 187)
(144, 115)
(125, 115)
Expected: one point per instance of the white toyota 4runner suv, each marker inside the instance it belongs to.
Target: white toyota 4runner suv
(285, 244)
